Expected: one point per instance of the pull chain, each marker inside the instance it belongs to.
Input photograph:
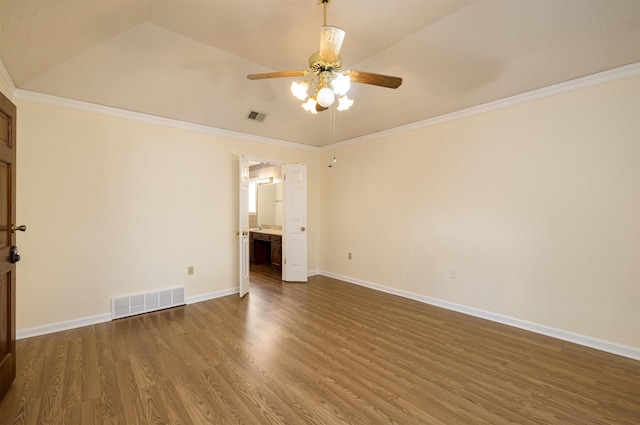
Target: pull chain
(332, 134)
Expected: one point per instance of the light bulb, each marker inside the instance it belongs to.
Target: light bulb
(299, 90)
(325, 97)
(341, 84)
(344, 103)
(310, 106)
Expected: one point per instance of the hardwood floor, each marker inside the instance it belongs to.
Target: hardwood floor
(326, 352)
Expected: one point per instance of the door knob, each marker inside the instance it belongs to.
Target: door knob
(15, 228)
(302, 229)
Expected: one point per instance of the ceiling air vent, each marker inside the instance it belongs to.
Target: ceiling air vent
(256, 116)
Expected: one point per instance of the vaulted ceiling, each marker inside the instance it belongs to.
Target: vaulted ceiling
(188, 60)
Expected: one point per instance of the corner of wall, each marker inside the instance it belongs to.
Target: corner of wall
(6, 83)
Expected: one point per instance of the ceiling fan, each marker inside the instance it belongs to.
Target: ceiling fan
(329, 79)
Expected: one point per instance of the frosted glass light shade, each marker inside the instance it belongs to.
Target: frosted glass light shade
(344, 103)
(310, 106)
(325, 97)
(299, 89)
(341, 84)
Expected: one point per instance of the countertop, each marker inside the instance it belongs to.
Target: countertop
(266, 231)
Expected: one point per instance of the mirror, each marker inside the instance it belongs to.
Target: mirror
(270, 204)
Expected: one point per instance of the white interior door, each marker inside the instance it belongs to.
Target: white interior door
(243, 224)
(294, 242)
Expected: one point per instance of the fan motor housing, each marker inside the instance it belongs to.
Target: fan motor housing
(317, 65)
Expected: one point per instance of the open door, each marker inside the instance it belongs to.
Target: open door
(8, 251)
(243, 223)
(294, 242)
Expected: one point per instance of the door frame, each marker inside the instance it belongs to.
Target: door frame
(241, 257)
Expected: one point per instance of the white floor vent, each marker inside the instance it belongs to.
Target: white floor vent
(131, 305)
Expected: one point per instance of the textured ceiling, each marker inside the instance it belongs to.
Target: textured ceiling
(188, 60)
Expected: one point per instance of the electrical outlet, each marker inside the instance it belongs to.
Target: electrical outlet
(190, 270)
(453, 274)
(349, 256)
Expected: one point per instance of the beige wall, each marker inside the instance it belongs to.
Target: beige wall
(536, 206)
(115, 206)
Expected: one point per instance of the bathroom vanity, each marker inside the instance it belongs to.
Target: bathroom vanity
(265, 246)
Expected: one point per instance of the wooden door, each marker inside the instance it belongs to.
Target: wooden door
(7, 241)
(243, 224)
(294, 242)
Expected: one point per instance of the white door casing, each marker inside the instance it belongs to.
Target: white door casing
(294, 241)
(243, 225)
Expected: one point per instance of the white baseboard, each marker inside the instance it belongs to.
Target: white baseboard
(212, 295)
(313, 272)
(105, 317)
(587, 341)
(62, 326)
(584, 340)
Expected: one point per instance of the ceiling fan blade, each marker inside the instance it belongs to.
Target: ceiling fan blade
(330, 43)
(374, 79)
(280, 74)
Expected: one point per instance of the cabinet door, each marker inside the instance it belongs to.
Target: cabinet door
(251, 256)
(276, 254)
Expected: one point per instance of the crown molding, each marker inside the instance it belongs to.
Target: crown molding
(150, 119)
(564, 87)
(6, 79)
(567, 86)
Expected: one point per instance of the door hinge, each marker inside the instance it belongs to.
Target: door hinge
(285, 261)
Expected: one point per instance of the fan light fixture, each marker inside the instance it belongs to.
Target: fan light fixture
(326, 92)
(325, 97)
(329, 81)
(299, 90)
(344, 103)
(310, 106)
(341, 84)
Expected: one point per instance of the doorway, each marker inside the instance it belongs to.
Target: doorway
(289, 241)
(266, 220)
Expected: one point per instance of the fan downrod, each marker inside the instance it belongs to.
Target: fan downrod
(324, 3)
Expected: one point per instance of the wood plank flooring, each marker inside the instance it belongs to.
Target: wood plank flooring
(326, 352)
